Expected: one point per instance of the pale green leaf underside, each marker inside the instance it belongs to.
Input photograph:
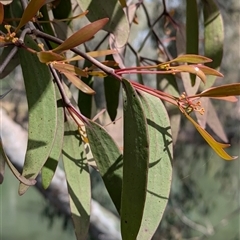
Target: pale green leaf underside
(42, 112)
(160, 168)
(78, 179)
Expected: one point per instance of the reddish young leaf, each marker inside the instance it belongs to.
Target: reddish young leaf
(49, 56)
(209, 71)
(191, 69)
(191, 58)
(221, 91)
(78, 83)
(30, 11)
(81, 36)
(63, 67)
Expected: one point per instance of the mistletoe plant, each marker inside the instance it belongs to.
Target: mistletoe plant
(138, 179)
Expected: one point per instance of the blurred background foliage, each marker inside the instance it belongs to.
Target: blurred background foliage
(204, 201)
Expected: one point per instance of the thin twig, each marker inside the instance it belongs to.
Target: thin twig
(106, 69)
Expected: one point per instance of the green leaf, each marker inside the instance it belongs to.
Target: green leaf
(135, 163)
(111, 89)
(78, 179)
(11, 65)
(50, 165)
(62, 10)
(112, 9)
(108, 158)
(192, 31)
(81, 36)
(213, 36)
(42, 112)
(160, 168)
(85, 100)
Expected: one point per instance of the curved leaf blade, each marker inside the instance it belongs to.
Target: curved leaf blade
(160, 168)
(81, 36)
(78, 179)
(50, 165)
(135, 163)
(42, 112)
(111, 90)
(109, 160)
(30, 12)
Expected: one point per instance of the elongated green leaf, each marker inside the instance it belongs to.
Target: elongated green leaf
(82, 35)
(135, 163)
(85, 100)
(50, 165)
(111, 89)
(192, 34)
(42, 112)
(108, 158)
(213, 36)
(30, 12)
(78, 179)
(22, 179)
(112, 9)
(63, 9)
(160, 169)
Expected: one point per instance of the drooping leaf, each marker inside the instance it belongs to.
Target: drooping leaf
(118, 24)
(85, 100)
(78, 83)
(78, 179)
(191, 69)
(81, 36)
(70, 68)
(135, 163)
(160, 168)
(22, 179)
(11, 65)
(216, 146)
(111, 90)
(209, 71)
(50, 165)
(108, 158)
(30, 12)
(42, 110)
(213, 36)
(192, 34)
(49, 56)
